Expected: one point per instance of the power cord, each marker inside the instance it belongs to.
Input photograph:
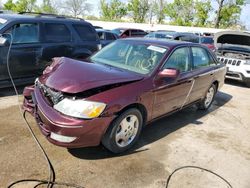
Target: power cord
(196, 167)
(51, 180)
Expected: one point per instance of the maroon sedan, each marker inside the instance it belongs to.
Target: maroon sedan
(129, 83)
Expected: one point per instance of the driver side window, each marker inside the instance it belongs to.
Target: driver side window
(24, 33)
(179, 60)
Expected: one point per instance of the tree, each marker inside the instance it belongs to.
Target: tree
(114, 10)
(76, 7)
(47, 7)
(20, 5)
(138, 10)
(202, 9)
(228, 12)
(181, 12)
(9, 5)
(158, 9)
(25, 5)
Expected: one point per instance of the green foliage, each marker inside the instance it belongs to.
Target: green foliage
(9, 5)
(20, 5)
(47, 7)
(114, 10)
(228, 13)
(202, 9)
(138, 10)
(158, 8)
(181, 12)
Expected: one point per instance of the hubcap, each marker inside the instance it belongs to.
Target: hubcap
(209, 97)
(127, 130)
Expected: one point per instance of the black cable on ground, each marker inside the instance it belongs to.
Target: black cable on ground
(52, 176)
(200, 168)
(51, 182)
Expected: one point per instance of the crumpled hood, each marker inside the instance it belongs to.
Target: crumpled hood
(227, 39)
(72, 76)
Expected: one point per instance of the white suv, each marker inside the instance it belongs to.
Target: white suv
(233, 49)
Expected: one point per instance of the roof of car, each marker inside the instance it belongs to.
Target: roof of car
(103, 30)
(161, 42)
(12, 16)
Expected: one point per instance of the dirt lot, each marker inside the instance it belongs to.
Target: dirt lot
(217, 140)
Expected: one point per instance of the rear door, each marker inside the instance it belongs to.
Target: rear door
(171, 94)
(87, 40)
(57, 40)
(25, 50)
(203, 69)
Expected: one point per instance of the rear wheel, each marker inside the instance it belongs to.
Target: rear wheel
(124, 131)
(209, 98)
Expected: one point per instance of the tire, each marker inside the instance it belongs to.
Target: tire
(120, 138)
(247, 84)
(208, 99)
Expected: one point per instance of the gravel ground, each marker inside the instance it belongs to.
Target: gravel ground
(217, 140)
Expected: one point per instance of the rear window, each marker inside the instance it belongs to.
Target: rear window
(207, 40)
(85, 32)
(56, 32)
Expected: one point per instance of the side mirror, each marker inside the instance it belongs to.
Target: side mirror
(3, 41)
(169, 73)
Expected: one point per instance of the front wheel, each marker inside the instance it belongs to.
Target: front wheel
(209, 98)
(124, 131)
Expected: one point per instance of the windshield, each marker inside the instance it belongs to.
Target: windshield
(139, 58)
(207, 40)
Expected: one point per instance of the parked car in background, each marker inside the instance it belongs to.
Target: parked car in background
(160, 35)
(188, 37)
(233, 49)
(106, 37)
(125, 32)
(97, 27)
(37, 39)
(123, 87)
(207, 41)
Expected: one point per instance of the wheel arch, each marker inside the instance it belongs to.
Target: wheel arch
(216, 83)
(138, 106)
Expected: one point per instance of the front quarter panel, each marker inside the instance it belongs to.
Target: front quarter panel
(119, 98)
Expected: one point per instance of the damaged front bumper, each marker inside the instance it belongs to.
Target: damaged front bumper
(63, 130)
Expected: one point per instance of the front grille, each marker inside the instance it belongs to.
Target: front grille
(230, 61)
(51, 95)
(233, 75)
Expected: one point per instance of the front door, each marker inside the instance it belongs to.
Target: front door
(171, 94)
(25, 50)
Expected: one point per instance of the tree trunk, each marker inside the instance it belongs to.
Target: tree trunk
(218, 16)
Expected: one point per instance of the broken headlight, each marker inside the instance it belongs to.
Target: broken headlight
(80, 108)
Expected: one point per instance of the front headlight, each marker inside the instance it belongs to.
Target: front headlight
(80, 108)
